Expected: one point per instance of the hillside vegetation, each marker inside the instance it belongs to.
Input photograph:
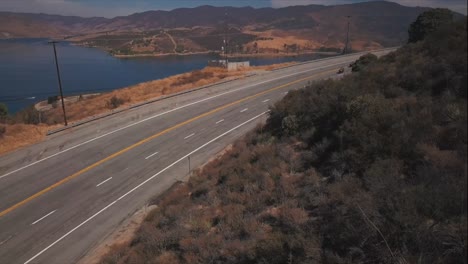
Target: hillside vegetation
(294, 29)
(367, 169)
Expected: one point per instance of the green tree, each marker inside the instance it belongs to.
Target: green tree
(429, 22)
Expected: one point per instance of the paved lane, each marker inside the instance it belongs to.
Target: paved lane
(62, 196)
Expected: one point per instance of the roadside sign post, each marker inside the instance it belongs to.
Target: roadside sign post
(189, 165)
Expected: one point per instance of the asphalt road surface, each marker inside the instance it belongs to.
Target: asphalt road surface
(61, 197)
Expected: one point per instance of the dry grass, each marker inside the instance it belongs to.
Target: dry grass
(20, 135)
(276, 39)
(365, 45)
(279, 42)
(142, 92)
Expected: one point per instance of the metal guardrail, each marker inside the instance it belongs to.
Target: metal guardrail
(116, 111)
(339, 56)
(113, 112)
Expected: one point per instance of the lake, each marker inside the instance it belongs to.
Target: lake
(28, 74)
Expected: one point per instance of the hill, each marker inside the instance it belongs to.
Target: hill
(367, 169)
(249, 30)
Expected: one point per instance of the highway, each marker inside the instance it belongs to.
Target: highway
(61, 197)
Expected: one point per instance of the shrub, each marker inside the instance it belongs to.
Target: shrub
(3, 112)
(52, 99)
(429, 22)
(115, 253)
(114, 102)
(29, 115)
(363, 62)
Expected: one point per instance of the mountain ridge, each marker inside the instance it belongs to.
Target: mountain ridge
(254, 30)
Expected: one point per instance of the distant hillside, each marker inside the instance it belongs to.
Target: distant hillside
(264, 30)
(42, 25)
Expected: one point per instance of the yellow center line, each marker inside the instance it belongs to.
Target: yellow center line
(120, 152)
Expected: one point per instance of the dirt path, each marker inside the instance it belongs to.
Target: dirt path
(173, 41)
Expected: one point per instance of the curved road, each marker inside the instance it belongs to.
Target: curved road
(61, 197)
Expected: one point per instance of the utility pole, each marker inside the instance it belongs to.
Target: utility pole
(347, 38)
(226, 28)
(59, 82)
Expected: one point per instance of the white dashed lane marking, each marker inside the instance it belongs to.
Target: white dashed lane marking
(189, 136)
(152, 155)
(42, 218)
(104, 182)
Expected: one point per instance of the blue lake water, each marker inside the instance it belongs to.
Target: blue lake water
(28, 74)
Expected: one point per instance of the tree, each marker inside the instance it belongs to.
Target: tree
(428, 22)
(3, 110)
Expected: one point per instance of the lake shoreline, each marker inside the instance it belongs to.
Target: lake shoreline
(157, 55)
(85, 108)
(229, 56)
(93, 70)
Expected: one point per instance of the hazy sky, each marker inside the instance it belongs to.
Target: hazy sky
(111, 8)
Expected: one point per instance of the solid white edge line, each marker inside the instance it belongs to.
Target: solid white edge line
(6, 240)
(152, 155)
(172, 110)
(104, 182)
(220, 121)
(141, 184)
(243, 110)
(189, 136)
(42, 218)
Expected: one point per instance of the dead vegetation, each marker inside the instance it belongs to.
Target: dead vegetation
(30, 126)
(21, 135)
